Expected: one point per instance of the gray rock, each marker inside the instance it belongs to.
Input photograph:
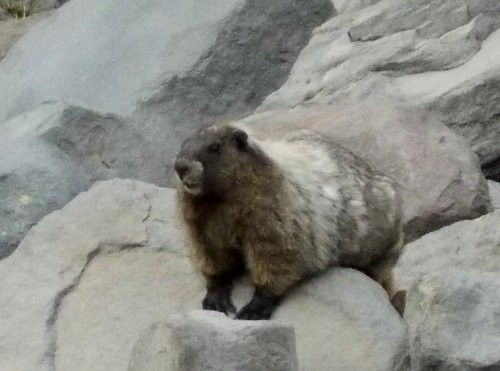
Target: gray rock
(454, 321)
(104, 146)
(439, 175)
(494, 190)
(205, 340)
(466, 245)
(35, 179)
(343, 321)
(442, 56)
(88, 279)
(50, 155)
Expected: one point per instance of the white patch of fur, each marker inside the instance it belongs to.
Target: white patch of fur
(308, 166)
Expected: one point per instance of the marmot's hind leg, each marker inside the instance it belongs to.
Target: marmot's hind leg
(382, 272)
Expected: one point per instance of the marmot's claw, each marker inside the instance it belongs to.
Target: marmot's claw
(218, 303)
(260, 307)
(254, 314)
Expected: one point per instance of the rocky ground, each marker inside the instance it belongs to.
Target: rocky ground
(95, 100)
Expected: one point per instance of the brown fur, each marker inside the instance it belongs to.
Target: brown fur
(245, 204)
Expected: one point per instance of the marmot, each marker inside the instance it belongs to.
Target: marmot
(281, 210)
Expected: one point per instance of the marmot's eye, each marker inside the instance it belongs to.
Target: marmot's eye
(214, 148)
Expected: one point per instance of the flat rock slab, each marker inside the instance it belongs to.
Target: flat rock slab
(90, 278)
(454, 321)
(439, 175)
(206, 340)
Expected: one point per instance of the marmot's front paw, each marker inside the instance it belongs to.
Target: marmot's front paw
(218, 301)
(260, 307)
(252, 312)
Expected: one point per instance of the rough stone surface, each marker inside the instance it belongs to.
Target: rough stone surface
(454, 321)
(90, 278)
(35, 179)
(439, 175)
(466, 245)
(439, 55)
(494, 189)
(205, 340)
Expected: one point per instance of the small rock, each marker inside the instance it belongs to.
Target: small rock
(204, 340)
(468, 245)
(454, 321)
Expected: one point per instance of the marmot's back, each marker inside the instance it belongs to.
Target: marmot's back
(350, 213)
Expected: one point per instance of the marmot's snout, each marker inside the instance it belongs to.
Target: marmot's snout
(181, 167)
(190, 174)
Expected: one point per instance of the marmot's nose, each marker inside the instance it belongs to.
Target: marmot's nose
(181, 168)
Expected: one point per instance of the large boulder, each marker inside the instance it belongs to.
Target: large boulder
(439, 55)
(453, 321)
(89, 279)
(439, 175)
(207, 340)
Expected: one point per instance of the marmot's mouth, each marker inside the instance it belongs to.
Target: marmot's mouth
(193, 188)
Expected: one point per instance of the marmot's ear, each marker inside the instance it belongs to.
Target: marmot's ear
(240, 137)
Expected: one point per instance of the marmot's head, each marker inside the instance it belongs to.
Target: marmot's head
(210, 162)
